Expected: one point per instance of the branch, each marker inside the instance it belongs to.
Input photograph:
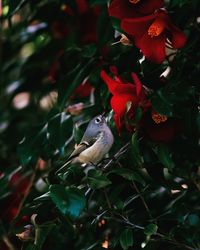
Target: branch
(8, 243)
(161, 236)
(142, 199)
(28, 189)
(117, 155)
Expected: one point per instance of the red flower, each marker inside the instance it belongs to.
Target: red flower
(18, 185)
(83, 90)
(59, 30)
(159, 128)
(151, 32)
(133, 8)
(87, 25)
(124, 92)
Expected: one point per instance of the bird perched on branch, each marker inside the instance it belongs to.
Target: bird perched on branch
(95, 144)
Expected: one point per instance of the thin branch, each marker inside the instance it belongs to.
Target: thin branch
(8, 243)
(142, 199)
(28, 189)
(117, 155)
(107, 199)
(161, 236)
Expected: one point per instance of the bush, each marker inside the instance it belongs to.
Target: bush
(62, 63)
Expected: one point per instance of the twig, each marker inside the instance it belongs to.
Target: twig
(28, 189)
(117, 155)
(142, 199)
(161, 236)
(8, 242)
(107, 199)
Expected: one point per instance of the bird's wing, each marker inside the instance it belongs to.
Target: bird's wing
(80, 148)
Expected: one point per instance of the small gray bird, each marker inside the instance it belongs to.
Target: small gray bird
(95, 144)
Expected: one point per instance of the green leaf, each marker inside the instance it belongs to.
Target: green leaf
(104, 27)
(164, 155)
(161, 104)
(135, 150)
(126, 239)
(150, 229)
(116, 24)
(15, 5)
(193, 220)
(60, 130)
(44, 197)
(89, 50)
(41, 234)
(128, 174)
(69, 83)
(30, 147)
(69, 200)
(96, 179)
(138, 114)
(4, 186)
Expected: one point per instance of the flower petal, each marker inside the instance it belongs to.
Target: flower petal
(124, 9)
(116, 87)
(121, 9)
(112, 84)
(138, 85)
(178, 38)
(119, 103)
(137, 26)
(152, 47)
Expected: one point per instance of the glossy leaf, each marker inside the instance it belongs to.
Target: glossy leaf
(161, 104)
(30, 147)
(151, 229)
(60, 130)
(69, 200)
(164, 155)
(128, 174)
(135, 150)
(41, 234)
(126, 239)
(97, 180)
(15, 5)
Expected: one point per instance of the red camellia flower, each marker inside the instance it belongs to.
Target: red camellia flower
(133, 8)
(159, 128)
(123, 93)
(150, 34)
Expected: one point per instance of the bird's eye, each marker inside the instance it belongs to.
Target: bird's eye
(98, 120)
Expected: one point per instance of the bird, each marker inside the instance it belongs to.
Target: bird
(94, 145)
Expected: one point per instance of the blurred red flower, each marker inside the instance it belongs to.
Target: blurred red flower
(150, 34)
(18, 185)
(83, 90)
(159, 128)
(59, 30)
(87, 25)
(133, 8)
(124, 93)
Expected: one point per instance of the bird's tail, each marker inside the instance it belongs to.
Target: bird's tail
(63, 167)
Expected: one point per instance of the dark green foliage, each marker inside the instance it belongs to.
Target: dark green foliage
(146, 194)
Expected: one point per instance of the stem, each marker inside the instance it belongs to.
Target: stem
(32, 180)
(8, 243)
(117, 155)
(142, 199)
(161, 236)
(107, 199)
(26, 194)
